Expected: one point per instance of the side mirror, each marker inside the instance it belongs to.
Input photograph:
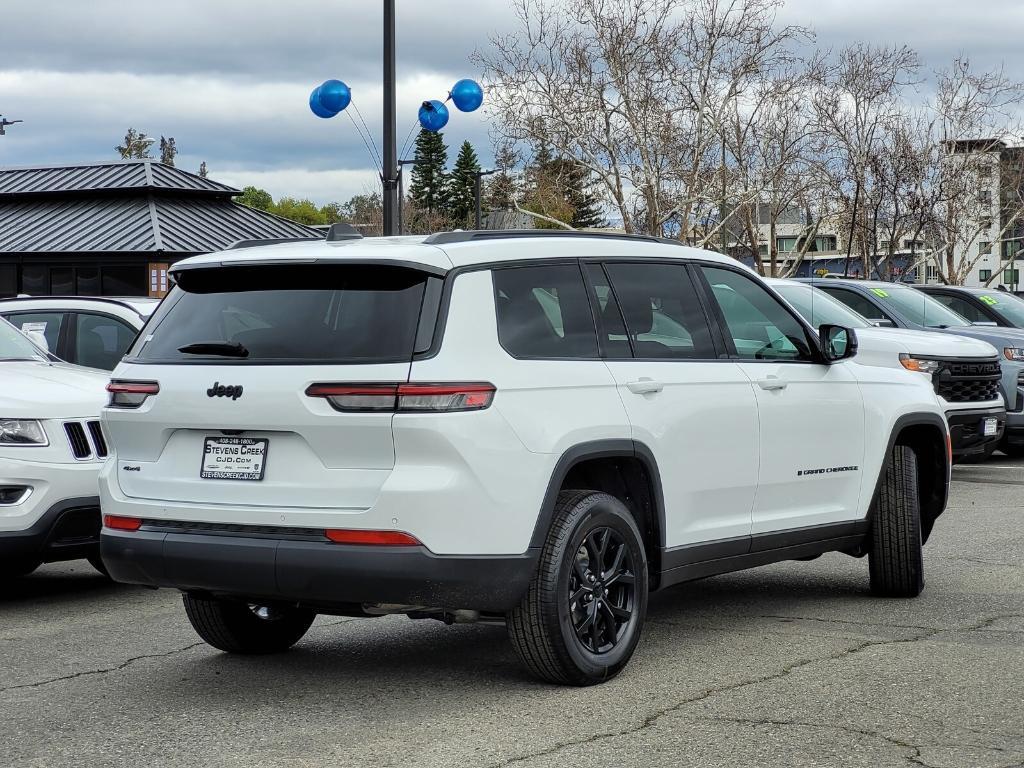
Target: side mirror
(837, 343)
(883, 323)
(38, 339)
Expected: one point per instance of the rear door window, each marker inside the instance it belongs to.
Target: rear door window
(295, 313)
(543, 312)
(664, 318)
(859, 304)
(962, 307)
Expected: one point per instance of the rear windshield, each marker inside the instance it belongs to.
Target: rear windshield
(293, 313)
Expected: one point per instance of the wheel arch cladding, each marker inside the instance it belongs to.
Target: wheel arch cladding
(625, 469)
(925, 434)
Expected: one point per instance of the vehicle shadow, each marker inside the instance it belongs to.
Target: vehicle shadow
(56, 582)
(385, 656)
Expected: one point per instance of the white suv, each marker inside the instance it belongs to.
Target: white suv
(91, 331)
(536, 428)
(51, 448)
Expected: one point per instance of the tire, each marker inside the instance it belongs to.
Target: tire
(15, 568)
(578, 625)
(97, 562)
(238, 627)
(895, 561)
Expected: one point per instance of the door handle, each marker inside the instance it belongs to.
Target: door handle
(644, 386)
(772, 383)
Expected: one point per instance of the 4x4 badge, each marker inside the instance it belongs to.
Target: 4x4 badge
(219, 390)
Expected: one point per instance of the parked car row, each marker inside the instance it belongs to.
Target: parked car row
(533, 428)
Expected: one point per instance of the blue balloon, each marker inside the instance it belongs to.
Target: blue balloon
(433, 116)
(467, 95)
(317, 107)
(334, 95)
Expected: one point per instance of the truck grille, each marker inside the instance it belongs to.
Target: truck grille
(79, 441)
(968, 381)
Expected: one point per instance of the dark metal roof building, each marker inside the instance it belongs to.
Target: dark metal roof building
(113, 228)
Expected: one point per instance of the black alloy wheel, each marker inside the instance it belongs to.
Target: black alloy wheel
(602, 590)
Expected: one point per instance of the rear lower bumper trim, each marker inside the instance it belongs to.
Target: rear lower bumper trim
(316, 572)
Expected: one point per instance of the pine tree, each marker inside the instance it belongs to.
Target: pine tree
(563, 189)
(168, 150)
(461, 185)
(429, 187)
(579, 192)
(502, 189)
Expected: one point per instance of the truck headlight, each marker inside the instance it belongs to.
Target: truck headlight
(919, 364)
(1014, 353)
(21, 432)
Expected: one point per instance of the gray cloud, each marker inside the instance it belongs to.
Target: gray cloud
(230, 79)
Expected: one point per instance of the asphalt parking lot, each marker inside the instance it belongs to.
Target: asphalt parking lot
(793, 664)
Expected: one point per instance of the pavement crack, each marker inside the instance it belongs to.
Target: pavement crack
(652, 719)
(103, 671)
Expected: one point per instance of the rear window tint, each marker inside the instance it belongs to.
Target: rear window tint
(543, 312)
(300, 313)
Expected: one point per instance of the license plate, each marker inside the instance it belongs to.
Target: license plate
(234, 458)
(990, 427)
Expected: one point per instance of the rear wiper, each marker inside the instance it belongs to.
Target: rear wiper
(221, 348)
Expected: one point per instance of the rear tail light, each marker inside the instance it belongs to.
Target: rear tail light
(119, 523)
(372, 538)
(130, 394)
(405, 398)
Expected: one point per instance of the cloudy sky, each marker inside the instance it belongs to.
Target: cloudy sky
(230, 79)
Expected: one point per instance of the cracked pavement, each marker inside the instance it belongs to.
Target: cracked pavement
(790, 665)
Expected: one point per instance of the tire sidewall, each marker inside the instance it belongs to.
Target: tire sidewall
(601, 511)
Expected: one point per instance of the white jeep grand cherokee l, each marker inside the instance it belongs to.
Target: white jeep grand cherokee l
(51, 448)
(535, 428)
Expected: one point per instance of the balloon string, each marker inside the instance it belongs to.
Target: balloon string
(408, 136)
(380, 162)
(373, 159)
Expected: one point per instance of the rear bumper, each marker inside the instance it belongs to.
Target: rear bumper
(68, 530)
(966, 432)
(315, 572)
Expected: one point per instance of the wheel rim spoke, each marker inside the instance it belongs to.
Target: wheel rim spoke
(601, 594)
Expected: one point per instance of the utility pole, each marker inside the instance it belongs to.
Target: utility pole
(477, 175)
(390, 171)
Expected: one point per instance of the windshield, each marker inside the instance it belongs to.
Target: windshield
(15, 346)
(919, 308)
(1006, 304)
(818, 308)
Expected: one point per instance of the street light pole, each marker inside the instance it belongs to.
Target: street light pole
(390, 178)
(477, 175)
(401, 194)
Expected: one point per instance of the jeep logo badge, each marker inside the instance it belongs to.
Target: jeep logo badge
(219, 390)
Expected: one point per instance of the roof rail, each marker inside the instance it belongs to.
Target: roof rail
(470, 235)
(342, 231)
(62, 297)
(255, 243)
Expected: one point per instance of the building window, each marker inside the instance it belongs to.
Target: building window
(985, 224)
(8, 280)
(984, 171)
(825, 243)
(932, 272)
(785, 244)
(125, 281)
(884, 245)
(1011, 249)
(1011, 276)
(985, 197)
(913, 245)
(984, 246)
(984, 275)
(35, 280)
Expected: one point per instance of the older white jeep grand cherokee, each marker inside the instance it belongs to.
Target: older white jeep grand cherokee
(528, 427)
